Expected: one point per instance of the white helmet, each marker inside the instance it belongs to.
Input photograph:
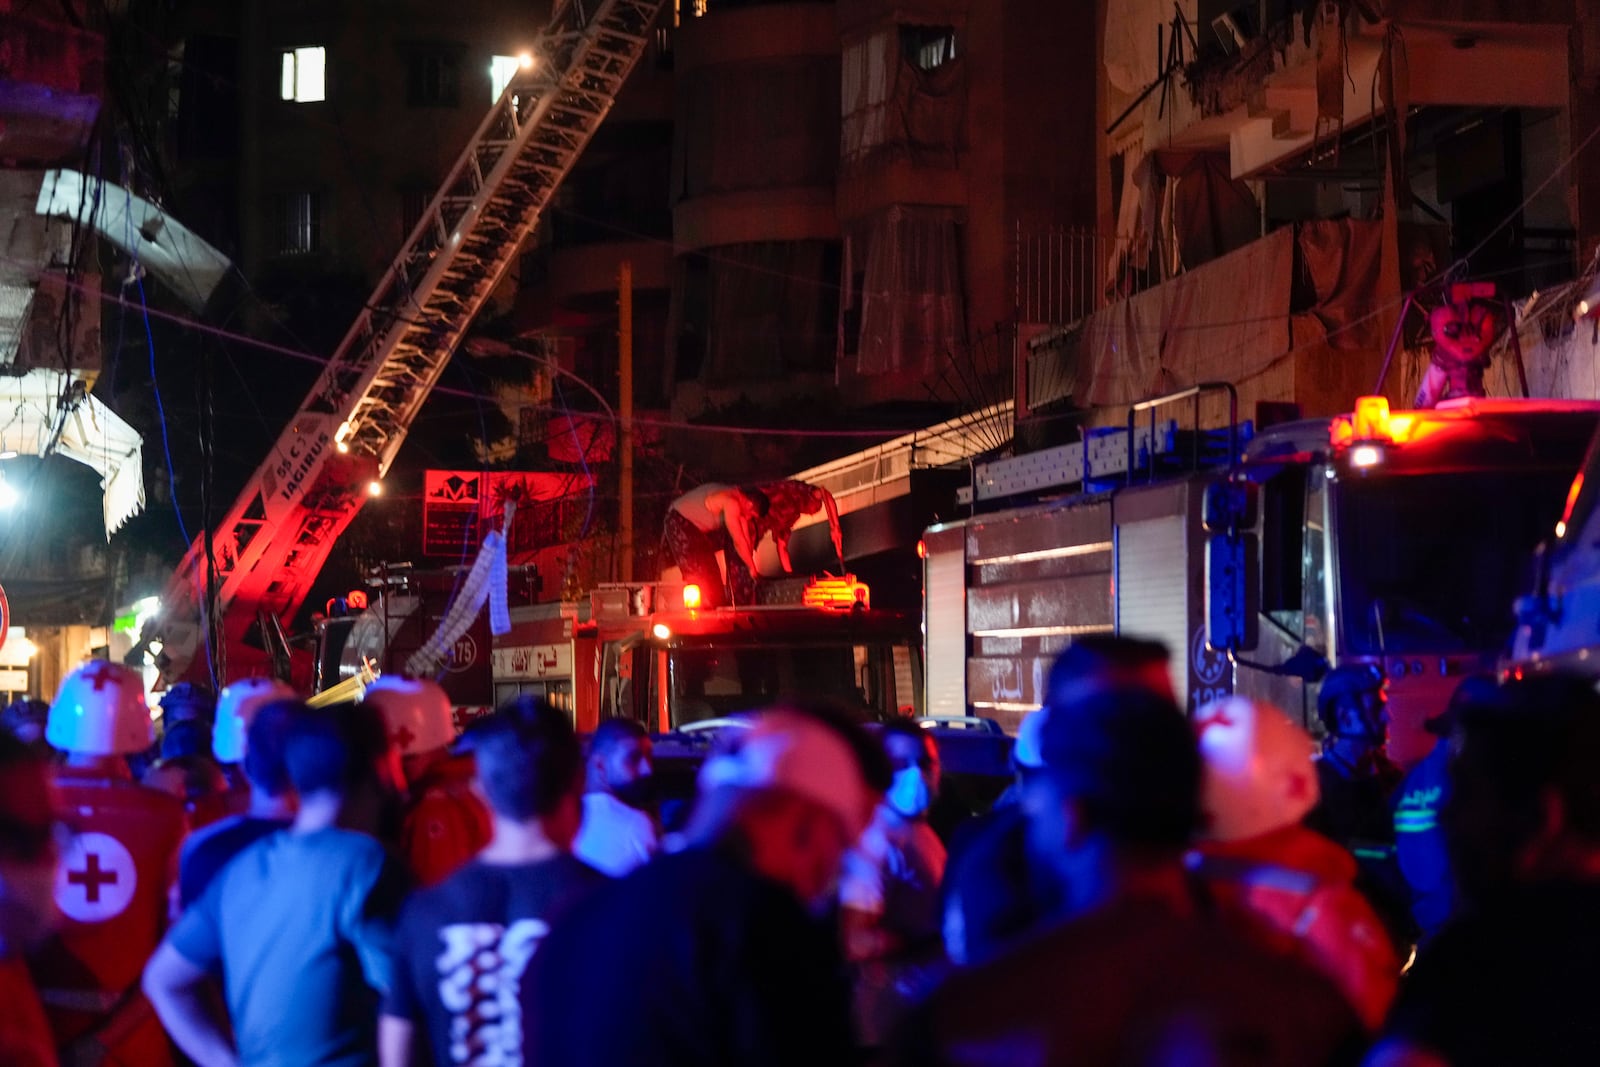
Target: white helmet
(416, 712)
(100, 710)
(1258, 773)
(236, 709)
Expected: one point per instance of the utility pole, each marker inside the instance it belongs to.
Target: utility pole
(625, 411)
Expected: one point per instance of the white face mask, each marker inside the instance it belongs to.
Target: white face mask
(909, 795)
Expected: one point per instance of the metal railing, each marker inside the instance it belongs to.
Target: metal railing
(1059, 274)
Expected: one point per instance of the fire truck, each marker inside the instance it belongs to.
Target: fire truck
(651, 652)
(1394, 538)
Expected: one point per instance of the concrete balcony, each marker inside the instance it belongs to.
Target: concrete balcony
(792, 214)
(1264, 112)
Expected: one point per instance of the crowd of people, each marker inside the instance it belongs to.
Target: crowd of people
(276, 884)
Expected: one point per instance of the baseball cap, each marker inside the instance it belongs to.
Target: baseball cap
(791, 751)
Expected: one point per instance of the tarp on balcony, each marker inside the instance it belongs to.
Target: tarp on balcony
(1314, 283)
(909, 298)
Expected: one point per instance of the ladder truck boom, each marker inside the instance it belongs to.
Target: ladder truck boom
(275, 538)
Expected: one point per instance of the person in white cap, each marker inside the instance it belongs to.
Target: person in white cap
(715, 954)
(1258, 785)
(250, 735)
(446, 824)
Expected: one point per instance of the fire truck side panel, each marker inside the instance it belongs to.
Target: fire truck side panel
(944, 613)
(1160, 586)
(1036, 579)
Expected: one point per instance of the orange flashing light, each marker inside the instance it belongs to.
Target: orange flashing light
(691, 596)
(1372, 419)
(836, 594)
(357, 599)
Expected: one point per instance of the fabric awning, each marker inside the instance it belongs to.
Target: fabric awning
(44, 411)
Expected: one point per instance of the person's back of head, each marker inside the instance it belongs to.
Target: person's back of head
(1119, 791)
(530, 767)
(1525, 800)
(266, 738)
(185, 739)
(1097, 663)
(332, 751)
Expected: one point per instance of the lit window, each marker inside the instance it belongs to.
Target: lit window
(501, 70)
(303, 75)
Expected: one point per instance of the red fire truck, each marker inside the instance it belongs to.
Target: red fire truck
(651, 652)
(1397, 538)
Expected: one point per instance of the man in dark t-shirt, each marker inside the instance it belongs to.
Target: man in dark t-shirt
(463, 946)
(208, 851)
(711, 957)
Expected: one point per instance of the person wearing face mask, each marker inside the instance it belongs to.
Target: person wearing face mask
(889, 888)
(619, 830)
(29, 856)
(716, 954)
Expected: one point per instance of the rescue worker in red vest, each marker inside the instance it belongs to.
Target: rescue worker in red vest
(445, 824)
(1258, 857)
(112, 883)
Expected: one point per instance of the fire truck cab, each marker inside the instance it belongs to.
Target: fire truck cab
(1398, 539)
(658, 657)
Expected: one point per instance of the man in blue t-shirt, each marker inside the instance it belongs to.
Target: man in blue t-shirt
(463, 946)
(209, 850)
(299, 926)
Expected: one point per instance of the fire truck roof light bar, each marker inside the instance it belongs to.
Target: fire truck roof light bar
(1059, 552)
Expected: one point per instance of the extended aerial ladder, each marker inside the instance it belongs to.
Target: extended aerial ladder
(272, 543)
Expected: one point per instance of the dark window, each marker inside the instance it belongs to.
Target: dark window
(300, 223)
(928, 47)
(1283, 548)
(433, 76)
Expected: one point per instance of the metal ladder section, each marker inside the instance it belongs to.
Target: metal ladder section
(279, 532)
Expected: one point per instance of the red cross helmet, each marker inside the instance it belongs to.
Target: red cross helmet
(100, 710)
(416, 711)
(236, 709)
(1257, 769)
